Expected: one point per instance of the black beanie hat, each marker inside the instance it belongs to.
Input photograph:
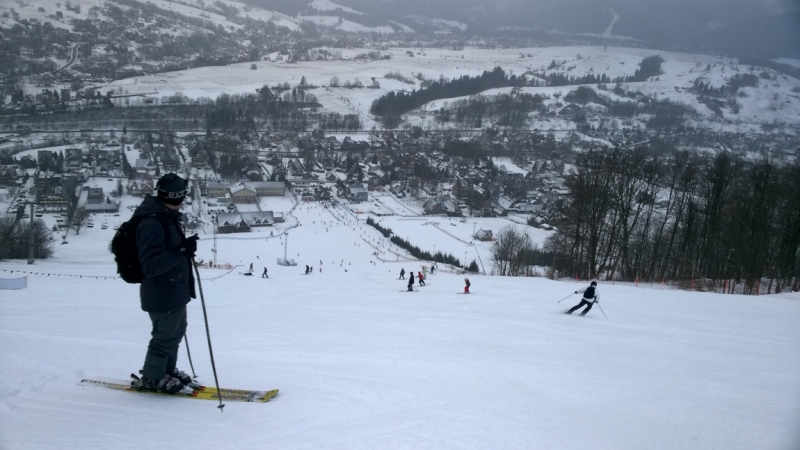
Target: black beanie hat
(171, 189)
(594, 283)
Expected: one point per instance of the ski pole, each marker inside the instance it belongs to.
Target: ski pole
(189, 353)
(570, 295)
(601, 310)
(208, 335)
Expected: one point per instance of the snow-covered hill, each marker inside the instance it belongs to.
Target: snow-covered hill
(45, 11)
(363, 365)
(775, 100)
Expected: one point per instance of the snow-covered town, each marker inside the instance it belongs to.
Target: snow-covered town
(540, 224)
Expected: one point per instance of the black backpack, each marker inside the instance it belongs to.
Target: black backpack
(126, 251)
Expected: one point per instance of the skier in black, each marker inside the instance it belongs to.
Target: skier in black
(264, 275)
(402, 274)
(411, 282)
(168, 284)
(590, 297)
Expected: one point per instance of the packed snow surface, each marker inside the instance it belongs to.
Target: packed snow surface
(361, 364)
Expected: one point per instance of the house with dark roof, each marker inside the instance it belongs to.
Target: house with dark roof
(145, 167)
(140, 187)
(9, 174)
(258, 218)
(484, 235)
(359, 193)
(231, 223)
(73, 159)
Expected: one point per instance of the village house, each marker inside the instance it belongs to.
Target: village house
(10, 175)
(217, 189)
(483, 235)
(145, 167)
(258, 218)
(243, 193)
(269, 188)
(231, 223)
(140, 187)
(358, 193)
(73, 159)
(94, 200)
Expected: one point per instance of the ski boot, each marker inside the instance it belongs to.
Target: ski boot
(184, 378)
(166, 385)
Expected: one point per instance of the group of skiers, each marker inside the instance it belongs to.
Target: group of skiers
(411, 277)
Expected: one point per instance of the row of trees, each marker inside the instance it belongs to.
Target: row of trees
(630, 215)
(416, 252)
(397, 103)
(509, 109)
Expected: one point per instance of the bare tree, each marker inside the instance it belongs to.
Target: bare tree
(508, 251)
(14, 238)
(78, 219)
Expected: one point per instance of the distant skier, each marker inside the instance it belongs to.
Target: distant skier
(590, 297)
(402, 274)
(421, 279)
(433, 268)
(307, 269)
(264, 274)
(411, 282)
(251, 267)
(466, 285)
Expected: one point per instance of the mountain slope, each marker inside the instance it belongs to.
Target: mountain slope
(361, 365)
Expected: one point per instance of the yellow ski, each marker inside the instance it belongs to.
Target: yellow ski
(203, 393)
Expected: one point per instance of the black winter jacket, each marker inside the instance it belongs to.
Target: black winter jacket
(168, 283)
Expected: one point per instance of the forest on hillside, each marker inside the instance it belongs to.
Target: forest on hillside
(680, 216)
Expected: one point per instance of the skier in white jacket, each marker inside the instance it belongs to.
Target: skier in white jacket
(590, 297)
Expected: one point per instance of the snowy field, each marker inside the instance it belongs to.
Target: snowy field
(770, 101)
(362, 365)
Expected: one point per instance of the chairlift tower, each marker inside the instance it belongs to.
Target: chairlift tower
(216, 223)
(285, 261)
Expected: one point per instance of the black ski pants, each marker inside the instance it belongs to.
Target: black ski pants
(583, 302)
(162, 352)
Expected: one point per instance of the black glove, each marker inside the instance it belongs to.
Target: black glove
(189, 246)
